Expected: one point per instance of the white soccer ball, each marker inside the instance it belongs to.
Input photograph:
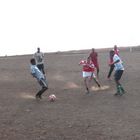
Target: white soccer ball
(52, 98)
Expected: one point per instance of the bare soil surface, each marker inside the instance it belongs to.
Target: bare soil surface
(74, 115)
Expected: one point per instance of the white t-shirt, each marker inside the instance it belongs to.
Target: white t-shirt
(119, 65)
(39, 58)
(36, 72)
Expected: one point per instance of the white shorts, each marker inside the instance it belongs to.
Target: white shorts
(88, 74)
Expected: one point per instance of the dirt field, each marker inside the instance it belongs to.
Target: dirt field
(74, 115)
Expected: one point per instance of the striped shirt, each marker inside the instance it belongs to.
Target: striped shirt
(36, 72)
(118, 65)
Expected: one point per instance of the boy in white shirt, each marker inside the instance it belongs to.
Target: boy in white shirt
(36, 73)
(119, 69)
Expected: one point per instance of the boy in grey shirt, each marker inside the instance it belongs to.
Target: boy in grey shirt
(36, 73)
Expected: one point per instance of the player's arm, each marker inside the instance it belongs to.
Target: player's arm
(33, 74)
(115, 62)
(116, 59)
(82, 62)
(42, 55)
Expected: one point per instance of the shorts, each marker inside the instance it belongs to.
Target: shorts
(43, 83)
(40, 66)
(88, 74)
(118, 74)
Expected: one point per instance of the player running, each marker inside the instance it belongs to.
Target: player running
(36, 73)
(119, 69)
(116, 51)
(88, 73)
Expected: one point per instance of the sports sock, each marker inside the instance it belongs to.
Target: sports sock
(118, 89)
(122, 89)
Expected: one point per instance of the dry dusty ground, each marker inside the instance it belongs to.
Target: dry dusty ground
(74, 115)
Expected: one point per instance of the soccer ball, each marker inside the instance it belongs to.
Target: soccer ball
(52, 98)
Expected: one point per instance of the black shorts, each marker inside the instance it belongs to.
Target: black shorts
(40, 66)
(118, 74)
(43, 83)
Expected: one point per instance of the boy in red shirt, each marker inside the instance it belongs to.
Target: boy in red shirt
(88, 72)
(94, 59)
(116, 50)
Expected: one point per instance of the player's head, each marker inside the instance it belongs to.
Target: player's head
(93, 50)
(115, 47)
(33, 61)
(38, 49)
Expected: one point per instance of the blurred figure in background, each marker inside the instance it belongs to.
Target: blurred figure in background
(116, 50)
(119, 69)
(39, 58)
(94, 59)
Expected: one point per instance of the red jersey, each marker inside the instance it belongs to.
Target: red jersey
(87, 67)
(94, 58)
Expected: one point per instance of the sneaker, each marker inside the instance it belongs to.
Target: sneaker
(99, 85)
(38, 97)
(116, 94)
(122, 90)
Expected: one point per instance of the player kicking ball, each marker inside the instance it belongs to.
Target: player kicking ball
(88, 73)
(119, 69)
(36, 73)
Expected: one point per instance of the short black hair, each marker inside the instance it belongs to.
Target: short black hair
(32, 60)
(111, 51)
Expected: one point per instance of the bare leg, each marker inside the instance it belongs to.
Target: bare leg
(97, 72)
(96, 82)
(44, 86)
(39, 93)
(110, 71)
(86, 84)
